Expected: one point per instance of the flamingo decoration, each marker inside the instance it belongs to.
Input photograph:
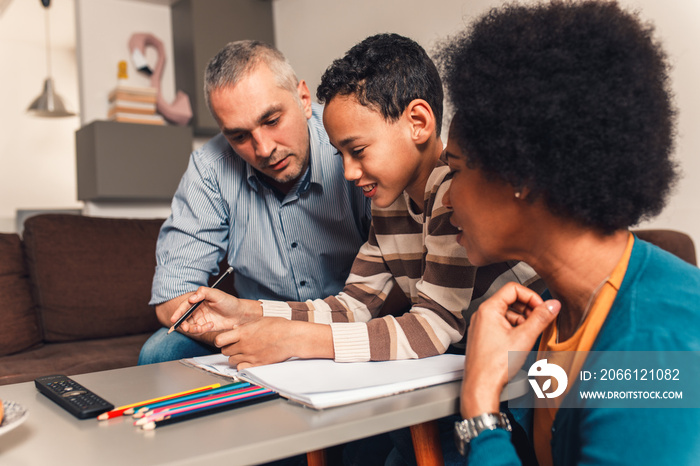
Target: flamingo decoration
(179, 112)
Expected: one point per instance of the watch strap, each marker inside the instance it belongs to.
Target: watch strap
(468, 429)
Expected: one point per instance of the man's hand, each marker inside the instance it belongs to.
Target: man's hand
(510, 320)
(274, 339)
(218, 311)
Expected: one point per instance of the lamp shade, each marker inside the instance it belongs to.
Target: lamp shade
(49, 104)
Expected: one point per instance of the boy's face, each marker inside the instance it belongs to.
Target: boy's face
(378, 155)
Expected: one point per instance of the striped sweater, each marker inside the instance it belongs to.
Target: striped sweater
(420, 253)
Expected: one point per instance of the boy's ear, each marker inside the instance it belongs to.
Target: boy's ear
(422, 120)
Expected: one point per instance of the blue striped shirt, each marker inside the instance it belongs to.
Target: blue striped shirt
(296, 248)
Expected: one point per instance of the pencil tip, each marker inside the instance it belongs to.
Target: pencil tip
(129, 412)
(171, 330)
(150, 426)
(102, 417)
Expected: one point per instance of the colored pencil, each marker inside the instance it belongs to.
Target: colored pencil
(206, 393)
(196, 305)
(193, 402)
(123, 409)
(172, 397)
(263, 395)
(169, 412)
(165, 411)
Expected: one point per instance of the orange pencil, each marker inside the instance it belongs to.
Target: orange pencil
(120, 411)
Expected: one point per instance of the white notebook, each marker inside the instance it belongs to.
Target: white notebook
(323, 383)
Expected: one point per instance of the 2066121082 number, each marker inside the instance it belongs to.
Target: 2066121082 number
(640, 374)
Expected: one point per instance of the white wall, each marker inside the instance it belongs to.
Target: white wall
(37, 155)
(312, 33)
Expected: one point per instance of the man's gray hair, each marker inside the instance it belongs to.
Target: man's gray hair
(239, 58)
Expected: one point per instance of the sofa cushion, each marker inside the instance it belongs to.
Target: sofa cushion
(71, 358)
(19, 329)
(91, 276)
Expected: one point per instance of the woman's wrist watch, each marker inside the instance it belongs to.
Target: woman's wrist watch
(468, 429)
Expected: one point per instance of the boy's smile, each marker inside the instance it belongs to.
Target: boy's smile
(378, 155)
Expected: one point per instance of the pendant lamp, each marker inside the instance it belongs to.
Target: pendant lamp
(49, 103)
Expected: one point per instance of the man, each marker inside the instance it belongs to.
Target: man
(267, 194)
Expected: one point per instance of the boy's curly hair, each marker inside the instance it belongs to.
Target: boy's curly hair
(385, 72)
(572, 101)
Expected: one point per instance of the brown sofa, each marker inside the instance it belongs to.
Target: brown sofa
(75, 294)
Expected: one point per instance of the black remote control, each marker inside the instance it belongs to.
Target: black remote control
(71, 396)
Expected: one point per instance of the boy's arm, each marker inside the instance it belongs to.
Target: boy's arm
(432, 324)
(362, 298)
(444, 290)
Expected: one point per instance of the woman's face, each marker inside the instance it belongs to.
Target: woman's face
(484, 208)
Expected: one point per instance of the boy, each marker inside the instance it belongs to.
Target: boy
(383, 114)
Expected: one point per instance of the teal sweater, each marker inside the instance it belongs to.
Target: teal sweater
(656, 309)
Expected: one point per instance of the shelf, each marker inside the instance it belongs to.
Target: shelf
(126, 162)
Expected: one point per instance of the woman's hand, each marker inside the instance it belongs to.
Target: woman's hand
(510, 320)
(218, 311)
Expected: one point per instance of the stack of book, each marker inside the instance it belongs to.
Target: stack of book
(133, 104)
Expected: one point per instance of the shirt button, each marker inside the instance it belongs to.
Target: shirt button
(294, 244)
(302, 283)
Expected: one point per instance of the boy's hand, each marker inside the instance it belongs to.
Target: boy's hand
(275, 339)
(218, 311)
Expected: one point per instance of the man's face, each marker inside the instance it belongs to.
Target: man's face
(266, 125)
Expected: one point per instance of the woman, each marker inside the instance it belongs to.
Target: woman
(561, 141)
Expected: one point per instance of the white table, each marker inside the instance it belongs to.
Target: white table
(249, 435)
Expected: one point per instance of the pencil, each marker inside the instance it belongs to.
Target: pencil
(198, 403)
(220, 391)
(263, 395)
(123, 409)
(196, 305)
